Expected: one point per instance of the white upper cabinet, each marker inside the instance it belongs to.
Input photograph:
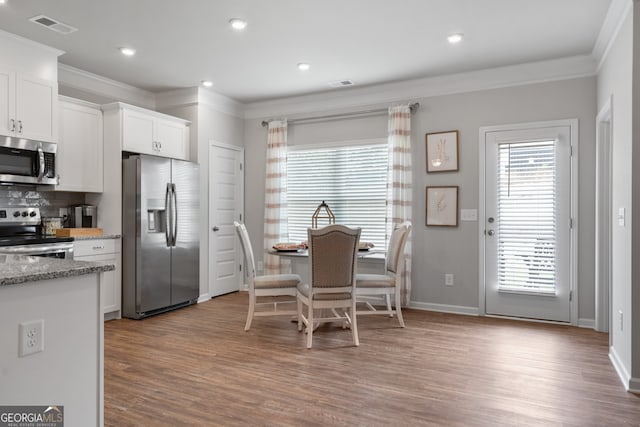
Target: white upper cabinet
(79, 160)
(28, 89)
(7, 102)
(28, 106)
(149, 132)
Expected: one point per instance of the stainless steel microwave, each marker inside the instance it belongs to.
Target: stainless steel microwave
(25, 161)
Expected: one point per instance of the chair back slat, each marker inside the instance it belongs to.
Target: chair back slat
(396, 246)
(246, 248)
(333, 256)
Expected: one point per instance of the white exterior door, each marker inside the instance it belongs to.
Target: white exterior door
(226, 190)
(527, 222)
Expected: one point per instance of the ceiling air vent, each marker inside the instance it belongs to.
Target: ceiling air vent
(53, 25)
(341, 83)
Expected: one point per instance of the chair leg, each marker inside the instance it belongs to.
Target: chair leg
(252, 307)
(299, 310)
(354, 325)
(398, 309)
(388, 299)
(310, 325)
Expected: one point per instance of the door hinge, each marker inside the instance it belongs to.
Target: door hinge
(571, 150)
(240, 166)
(239, 267)
(570, 295)
(240, 217)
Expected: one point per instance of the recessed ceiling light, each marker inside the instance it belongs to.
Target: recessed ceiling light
(238, 24)
(455, 38)
(207, 83)
(303, 66)
(127, 51)
(3, 1)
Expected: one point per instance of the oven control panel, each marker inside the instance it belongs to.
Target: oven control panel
(19, 216)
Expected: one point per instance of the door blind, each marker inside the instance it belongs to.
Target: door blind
(527, 217)
(351, 180)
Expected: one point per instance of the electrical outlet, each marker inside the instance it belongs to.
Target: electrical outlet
(448, 279)
(31, 336)
(260, 266)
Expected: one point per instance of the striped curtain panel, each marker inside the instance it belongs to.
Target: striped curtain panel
(275, 197)
(399, 190)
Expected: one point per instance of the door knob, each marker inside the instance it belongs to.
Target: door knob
(215, 228)
(490, 232)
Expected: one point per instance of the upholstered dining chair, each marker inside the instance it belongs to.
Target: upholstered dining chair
(274, 285)
(332, 272)
(390, 283)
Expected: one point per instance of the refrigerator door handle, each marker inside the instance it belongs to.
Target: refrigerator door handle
(174, 216)
(168, 220)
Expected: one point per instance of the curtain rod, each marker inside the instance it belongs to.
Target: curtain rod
(412, 107)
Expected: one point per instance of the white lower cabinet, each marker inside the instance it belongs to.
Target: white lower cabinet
(107, 250)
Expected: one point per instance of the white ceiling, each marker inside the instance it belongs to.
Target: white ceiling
(180, 43)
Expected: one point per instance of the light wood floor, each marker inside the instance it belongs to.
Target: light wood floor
(196, 366)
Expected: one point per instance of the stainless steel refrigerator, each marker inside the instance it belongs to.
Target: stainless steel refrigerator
(160, 235)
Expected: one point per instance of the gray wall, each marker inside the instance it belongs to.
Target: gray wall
(207, 124)
(615, 82)
(437, 251)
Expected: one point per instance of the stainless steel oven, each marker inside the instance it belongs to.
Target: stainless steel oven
(62, 250)
(21, 234)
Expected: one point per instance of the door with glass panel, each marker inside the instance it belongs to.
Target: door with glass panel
(527, 229)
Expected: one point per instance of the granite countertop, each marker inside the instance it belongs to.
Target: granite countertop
(15, 269)
(104, 236)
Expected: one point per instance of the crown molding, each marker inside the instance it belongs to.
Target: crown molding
(102, 86)
(201, 97)
(617, 13)
(177, 98)
(20, 39)
(409, 90)
(221, 103)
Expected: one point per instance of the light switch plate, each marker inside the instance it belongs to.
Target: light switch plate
(468, 214)
(621, 217)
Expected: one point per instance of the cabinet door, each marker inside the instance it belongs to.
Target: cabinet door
(7, 101)
(137, 132)
(36, 108)
(79, 160)
(172, 137)
(110, 291)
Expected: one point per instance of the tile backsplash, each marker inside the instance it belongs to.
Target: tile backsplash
(49, 202)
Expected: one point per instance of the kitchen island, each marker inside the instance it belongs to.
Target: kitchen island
(51, 335)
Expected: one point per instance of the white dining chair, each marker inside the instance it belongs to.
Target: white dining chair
(332, 272)
(390, 283)
(272, 285)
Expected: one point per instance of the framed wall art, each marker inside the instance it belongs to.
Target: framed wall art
(442, 151)
(442, 206)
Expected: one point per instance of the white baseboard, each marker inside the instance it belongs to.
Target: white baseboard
(620, 369)
(587, 323)
(444, 308)
(203, 298)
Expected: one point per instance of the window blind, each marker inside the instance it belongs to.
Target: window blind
(527, 217)
(352, 180)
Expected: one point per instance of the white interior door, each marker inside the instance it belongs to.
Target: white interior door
(527, 222)
(226, 189)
